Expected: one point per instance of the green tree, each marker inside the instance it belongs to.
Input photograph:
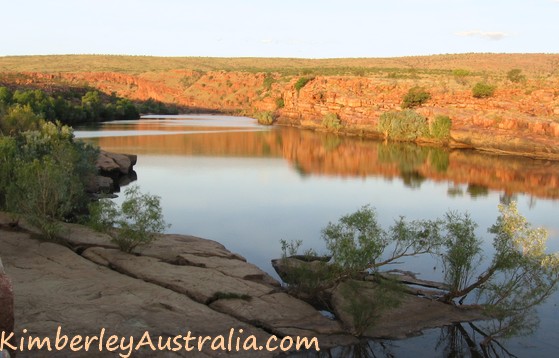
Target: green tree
(5, 95)
(416, 96)
(520, 272)
(137, 221)
(515, 75)
(483, 90)
(405, 125)
(44, 175)
(19, 118)
(357, 242)
(91, 104)
(302, 82)
(460, 75)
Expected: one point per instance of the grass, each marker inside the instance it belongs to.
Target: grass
(416, 65)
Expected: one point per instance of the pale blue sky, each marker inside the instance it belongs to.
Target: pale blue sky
(278, 28)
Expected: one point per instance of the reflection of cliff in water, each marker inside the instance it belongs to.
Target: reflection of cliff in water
(314, 153)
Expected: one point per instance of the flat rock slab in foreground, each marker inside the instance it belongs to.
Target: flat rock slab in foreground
(179, 284)
(55, 287)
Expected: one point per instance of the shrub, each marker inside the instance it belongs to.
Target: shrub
(268, 81)
(301, 82)
(44, 191)
(483, 90)
(440, 127)
(404, 125)
(265, 118)
(280, 103)
(137, 221)
(364, 304)
(19, 118)
(463, 251)
(460, 75)
(515, 75)
(44, 173)
(331, 121)
(416, 96)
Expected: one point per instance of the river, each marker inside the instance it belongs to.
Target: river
(249, 186)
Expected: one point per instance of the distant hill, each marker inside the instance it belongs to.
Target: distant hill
(542, 64)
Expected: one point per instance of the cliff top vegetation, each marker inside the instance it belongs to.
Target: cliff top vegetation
(530, 63)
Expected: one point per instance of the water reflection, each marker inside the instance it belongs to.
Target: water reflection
(248, 187)
(328, 154)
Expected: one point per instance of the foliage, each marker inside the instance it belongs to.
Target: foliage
(358, 243)
(521, 274)
(416, 96)
(23, 106)
(463, 251)
(364, 305)
(280, 103)
(302, 82)
(265, 117)
(460, 75)
(483, 90)
(404, 125)
(18, 118)
(331, 121)
(515, 75)
(137, 221)
(290, 248)
(44, 173)
(440, 127)
(153, 106)
(268, 81)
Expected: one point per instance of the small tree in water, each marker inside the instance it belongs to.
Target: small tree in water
(137, 221)
(520, 275)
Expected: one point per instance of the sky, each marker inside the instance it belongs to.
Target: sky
(278, 28)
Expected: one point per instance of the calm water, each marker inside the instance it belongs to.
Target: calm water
(247, 186)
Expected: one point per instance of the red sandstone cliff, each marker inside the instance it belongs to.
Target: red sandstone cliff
(521, 118)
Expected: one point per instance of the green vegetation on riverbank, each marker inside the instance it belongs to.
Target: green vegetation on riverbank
(20, 108)
(44, 172)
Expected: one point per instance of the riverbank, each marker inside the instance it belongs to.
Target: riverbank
(180, 283)
(520, 117)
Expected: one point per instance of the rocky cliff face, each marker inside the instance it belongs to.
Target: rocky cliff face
(519, 118)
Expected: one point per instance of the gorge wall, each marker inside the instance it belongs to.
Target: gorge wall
(521, 117)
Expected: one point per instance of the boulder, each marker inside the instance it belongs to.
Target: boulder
(105, 163)
(56, 287)
(115, 170)
(124, 162)
(100, 184)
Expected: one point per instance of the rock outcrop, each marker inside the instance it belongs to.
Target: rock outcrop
(114, 170)
(178, 284)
